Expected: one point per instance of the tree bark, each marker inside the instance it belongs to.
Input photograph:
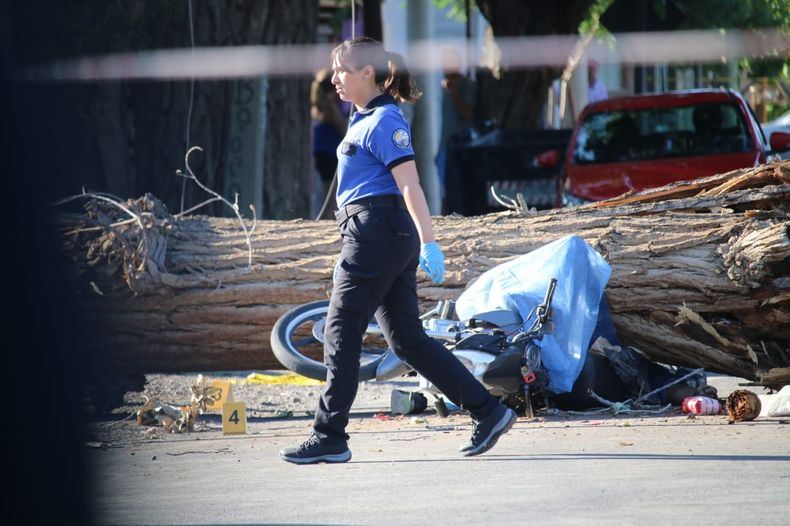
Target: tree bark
(697, 280)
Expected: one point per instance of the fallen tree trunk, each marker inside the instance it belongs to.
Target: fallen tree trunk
(701, 277)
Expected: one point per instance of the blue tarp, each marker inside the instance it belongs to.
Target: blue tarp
(521, 284)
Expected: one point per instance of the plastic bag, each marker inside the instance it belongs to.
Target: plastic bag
(777, 404)
(520, 285)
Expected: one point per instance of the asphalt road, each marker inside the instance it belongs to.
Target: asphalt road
(559, 470)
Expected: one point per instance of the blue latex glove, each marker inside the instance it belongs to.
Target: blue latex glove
(432, 261)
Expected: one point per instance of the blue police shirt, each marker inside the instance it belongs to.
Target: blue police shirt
(378, 139)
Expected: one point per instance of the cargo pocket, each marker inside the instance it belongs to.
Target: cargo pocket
(360, 260)
(355, 282)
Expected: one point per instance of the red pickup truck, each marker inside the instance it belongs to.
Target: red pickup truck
(633, 143)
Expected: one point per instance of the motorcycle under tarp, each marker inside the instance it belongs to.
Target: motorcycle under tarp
(520, 285)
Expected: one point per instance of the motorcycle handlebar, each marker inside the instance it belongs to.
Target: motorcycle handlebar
(542, 313)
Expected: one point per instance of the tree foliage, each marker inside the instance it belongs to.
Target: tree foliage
(513, 99)
(456, 9)
(730, 14)
(741, 14)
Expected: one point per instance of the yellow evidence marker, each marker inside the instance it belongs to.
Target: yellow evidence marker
(234, 418)
(223, 389)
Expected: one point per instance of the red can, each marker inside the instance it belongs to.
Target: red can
(701, 405)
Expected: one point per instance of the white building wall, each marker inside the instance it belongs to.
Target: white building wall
(404, 23)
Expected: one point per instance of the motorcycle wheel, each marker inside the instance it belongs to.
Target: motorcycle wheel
(298, 334)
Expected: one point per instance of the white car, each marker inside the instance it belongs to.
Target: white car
(780, 124)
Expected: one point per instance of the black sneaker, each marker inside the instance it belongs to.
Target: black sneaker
(488, 431)
(313, 451)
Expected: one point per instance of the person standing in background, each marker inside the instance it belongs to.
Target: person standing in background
(458, 96)
(329, 126)
(596, 90)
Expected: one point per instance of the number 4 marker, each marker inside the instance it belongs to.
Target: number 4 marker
(234, 418)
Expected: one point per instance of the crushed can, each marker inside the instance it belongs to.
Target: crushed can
(701, 405)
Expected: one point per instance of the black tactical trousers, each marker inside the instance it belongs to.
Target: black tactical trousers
(377, 275)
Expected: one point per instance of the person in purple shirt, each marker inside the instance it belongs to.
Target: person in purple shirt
(328, 124)
(596, 90)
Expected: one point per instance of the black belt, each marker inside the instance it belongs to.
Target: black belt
(368, 203)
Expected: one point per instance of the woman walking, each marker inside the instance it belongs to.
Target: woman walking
(386, 231)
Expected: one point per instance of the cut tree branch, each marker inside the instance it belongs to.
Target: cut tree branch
(234, 205)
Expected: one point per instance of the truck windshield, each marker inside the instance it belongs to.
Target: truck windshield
(658, 133)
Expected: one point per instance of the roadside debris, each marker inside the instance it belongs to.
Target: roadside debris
(173, 419)
(287, 378)
(777, 404)
(649, 382)
(407, 403)
(444, 428)
(211, 452)
(207, 394)
(742, 405)
(627, 407)
(150, 433)
(701, 405)
(654, 388)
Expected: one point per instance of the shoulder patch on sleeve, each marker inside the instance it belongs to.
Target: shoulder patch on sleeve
(401, 139)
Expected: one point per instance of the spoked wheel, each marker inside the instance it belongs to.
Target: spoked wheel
(298, 343)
